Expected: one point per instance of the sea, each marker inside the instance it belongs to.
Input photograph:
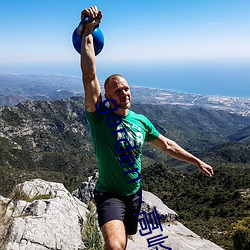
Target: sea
(228, 79)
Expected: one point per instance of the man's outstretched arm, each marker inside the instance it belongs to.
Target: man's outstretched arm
(88, 63)
(174, 150)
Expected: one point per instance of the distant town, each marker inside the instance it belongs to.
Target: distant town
(161, 97)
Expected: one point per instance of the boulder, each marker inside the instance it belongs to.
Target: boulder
(43, 215)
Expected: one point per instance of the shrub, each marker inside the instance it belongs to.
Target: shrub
(91, 235)
(241, 234)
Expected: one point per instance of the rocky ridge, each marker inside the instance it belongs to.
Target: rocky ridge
(44, 215)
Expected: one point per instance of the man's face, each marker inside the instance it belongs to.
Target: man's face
(118, 89)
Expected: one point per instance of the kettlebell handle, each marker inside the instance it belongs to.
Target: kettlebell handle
(85, 21)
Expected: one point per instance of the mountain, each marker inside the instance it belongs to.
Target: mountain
(236, 150)
(196, 129)
(45, 139)
(241, 136)
(51, 139)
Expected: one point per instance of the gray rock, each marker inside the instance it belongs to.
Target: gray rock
(85, 192)
(151, 201)
(179, 238)
(46, 216)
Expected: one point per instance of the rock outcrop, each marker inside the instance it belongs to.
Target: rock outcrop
(85, 192)
(44, 215)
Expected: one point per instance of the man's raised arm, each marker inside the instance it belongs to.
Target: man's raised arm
(88, 63)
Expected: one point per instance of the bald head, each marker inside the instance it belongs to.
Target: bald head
(112, 81)
(117, 89)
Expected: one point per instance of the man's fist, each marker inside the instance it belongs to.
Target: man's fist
(94, 14)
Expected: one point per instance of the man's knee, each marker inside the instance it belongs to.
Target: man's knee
(115, 245)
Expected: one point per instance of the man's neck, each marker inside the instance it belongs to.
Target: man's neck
(122, 112)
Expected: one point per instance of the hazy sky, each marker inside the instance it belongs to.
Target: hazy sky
(141, 30)
(36, 35)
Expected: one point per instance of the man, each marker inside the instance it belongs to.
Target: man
(118, 135)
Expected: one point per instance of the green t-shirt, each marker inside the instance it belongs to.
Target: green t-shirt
(113, 135)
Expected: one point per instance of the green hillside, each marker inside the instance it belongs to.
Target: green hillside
(208, 206)
(51, 140)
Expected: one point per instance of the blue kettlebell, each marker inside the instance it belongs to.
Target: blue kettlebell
(98, 37)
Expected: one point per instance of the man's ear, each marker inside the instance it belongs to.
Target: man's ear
(106, 96)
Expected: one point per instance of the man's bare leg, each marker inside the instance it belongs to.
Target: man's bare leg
(114, 235)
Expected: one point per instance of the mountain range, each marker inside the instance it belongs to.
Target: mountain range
(53, 136)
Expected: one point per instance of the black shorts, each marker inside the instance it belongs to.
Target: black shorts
(117, 207)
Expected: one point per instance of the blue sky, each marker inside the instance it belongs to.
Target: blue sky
(35, 35)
